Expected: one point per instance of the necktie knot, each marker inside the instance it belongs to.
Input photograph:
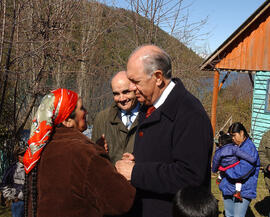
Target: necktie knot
(149, 111)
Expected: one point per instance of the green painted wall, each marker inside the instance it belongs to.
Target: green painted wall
(260, 121)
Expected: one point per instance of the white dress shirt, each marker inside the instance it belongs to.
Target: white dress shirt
(134, 112)
(164, 95)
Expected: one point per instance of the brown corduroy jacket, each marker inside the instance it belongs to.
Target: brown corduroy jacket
(76, 180)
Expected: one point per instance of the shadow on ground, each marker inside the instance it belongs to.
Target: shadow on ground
(263, 206)
(249, 212)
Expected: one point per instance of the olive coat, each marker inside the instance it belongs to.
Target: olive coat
(118, 137)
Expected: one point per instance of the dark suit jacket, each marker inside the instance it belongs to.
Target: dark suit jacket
(172, 149)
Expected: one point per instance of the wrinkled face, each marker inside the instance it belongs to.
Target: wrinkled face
(238, 138)
(124, 98)
(142, 84)
(80, 122)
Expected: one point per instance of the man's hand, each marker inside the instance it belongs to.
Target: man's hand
(125, 168)
(128, 156)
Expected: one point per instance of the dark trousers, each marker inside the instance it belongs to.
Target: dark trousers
(17, 208)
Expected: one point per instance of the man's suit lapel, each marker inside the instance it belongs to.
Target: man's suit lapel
(167, 108)
(116, 119)
(153, 118)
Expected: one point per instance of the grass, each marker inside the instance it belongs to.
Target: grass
(258, 207)
(5, 212)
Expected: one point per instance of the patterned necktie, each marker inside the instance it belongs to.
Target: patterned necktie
(129, 122)
(150, 111)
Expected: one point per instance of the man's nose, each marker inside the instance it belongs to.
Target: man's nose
(122, 97)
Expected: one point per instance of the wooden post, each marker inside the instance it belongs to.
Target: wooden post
(214, 101)
(223, 80)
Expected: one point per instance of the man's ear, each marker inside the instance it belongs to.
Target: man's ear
(159, 78)
(68, 123)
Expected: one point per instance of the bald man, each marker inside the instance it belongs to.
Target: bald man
(119, 122)
(173, 143)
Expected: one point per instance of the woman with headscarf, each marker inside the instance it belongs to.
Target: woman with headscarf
(67, 175)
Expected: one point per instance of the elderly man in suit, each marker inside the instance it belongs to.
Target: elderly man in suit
(118, 122)
(173, 142)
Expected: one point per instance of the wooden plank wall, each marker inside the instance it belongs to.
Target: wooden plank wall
(260, 121)
(251, 50)
(248, 48)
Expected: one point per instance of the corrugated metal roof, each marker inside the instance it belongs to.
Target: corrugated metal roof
(248, 48)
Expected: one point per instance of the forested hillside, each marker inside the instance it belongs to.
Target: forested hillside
(79, 45)
(76, 45)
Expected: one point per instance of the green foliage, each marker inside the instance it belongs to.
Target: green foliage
(235, 100)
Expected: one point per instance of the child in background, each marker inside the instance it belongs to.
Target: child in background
(228, 155)
(13, 183)
(195, 202)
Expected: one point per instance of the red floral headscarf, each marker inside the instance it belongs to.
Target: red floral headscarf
(54, 108)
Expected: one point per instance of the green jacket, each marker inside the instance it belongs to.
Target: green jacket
(264, 153)
(118, 137)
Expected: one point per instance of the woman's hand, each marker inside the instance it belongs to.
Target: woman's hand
(102, 142)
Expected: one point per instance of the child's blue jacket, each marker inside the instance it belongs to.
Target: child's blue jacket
(229, 154)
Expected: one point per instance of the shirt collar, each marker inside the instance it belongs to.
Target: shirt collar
(164, 95)
(133, 111)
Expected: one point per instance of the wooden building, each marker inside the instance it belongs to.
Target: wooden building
(247, 50)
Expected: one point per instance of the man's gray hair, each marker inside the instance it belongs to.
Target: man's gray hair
(157, 60)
